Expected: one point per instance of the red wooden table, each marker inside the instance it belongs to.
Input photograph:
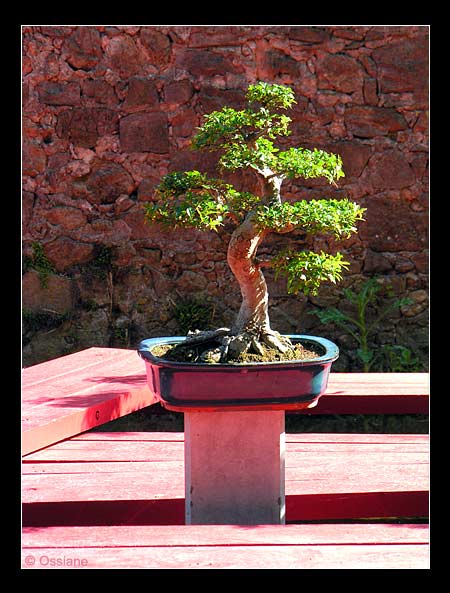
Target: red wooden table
(117, 499)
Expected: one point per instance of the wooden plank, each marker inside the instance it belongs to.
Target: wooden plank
(139, 478)
(314, 473)
(148, 446)
(226, 535)
(374, 393)
(238, 557)
(289, 546)
(74, 393)
(67, 383)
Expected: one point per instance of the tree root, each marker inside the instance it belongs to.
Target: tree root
(200, 337)
(276, 341)
(221, 346)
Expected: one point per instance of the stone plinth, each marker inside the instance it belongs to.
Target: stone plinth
(234, 467)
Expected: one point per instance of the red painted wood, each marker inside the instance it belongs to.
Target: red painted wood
(290, 546)
(154, 511)
(74, 393)
(161, 446)
(138, 478)
(305, 474)
(227, 535)
(168, 511)
(238, 557)
(374, 393)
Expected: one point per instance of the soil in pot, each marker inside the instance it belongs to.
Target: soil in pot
(198, 353)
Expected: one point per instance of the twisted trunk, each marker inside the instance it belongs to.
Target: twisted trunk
(244, 243)
(252, 325)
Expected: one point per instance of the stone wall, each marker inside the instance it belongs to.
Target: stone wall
(108, 110)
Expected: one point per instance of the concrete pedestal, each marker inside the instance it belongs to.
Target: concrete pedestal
(234, 467)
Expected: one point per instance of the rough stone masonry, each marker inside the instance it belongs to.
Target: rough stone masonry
(108, 110)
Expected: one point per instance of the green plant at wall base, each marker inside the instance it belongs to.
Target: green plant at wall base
(192, 313)
(397, 359)
(360, 328)
(122, 336)
(42, 320)
(39, 262)
(245, 139)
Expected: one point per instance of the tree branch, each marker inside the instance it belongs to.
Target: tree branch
(234, 217)
(263, 263)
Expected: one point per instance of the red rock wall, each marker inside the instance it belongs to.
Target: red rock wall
(108, 110)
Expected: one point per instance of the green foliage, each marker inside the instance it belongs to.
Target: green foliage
(191, 199)
(104, 257)
(397, 359)
(193, 314)
(121, 336)
(358, 326)
(227, 127)
(246, 135)
(306, 270)
(337, 217)
(245, 139)
(89, 305)
(223, 127)
(301, 162)
(259, 155)
(39, 262)
(271, 95)
(34, 321)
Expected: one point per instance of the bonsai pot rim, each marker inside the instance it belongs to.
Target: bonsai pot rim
(330, 355)
(282, 385)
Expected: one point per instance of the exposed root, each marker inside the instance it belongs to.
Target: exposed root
(239, 345)
(220, 346)
(256, 346)
(225, 344)
(201, 337)
(202, 346)
(276, 341)
(213, 355)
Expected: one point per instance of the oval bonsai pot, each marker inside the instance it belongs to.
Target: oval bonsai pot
(284, 385)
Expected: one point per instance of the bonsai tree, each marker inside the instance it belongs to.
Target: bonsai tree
(244, 139)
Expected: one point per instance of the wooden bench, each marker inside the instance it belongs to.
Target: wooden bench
(117, 499)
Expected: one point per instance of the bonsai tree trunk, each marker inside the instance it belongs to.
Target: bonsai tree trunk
(253, 314)
(252, 325)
